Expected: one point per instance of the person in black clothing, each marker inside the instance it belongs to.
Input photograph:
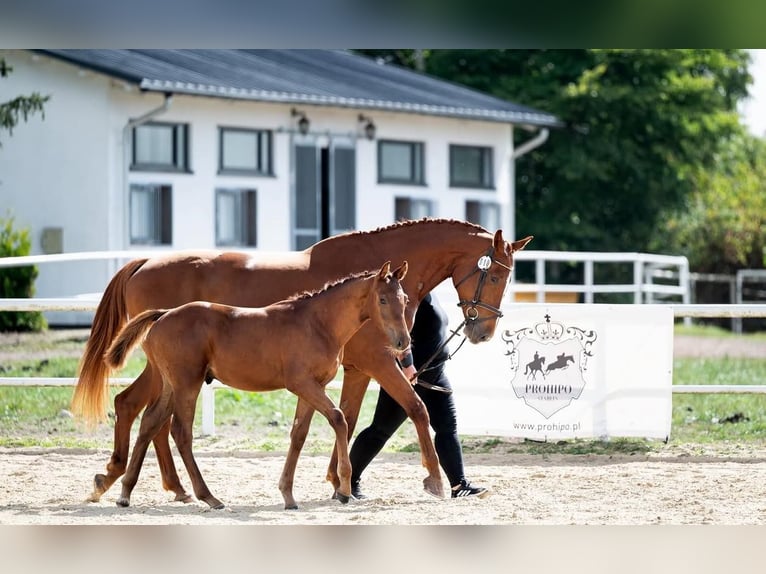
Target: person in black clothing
(428, 333)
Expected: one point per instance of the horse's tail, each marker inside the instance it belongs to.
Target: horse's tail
(130, 336)
(91, 392)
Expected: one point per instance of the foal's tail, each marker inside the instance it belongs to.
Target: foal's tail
(91, 393)
(130, 336)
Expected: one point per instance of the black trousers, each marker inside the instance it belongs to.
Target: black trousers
(389, 416)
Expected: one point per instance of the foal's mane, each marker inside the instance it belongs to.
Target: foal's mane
(329, 285)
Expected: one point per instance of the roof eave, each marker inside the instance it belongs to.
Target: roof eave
(532, 119)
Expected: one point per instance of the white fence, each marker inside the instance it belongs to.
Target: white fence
(643, 289)
(646, 268)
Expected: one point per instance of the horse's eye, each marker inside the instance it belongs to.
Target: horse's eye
(383, 301)
(494, 279)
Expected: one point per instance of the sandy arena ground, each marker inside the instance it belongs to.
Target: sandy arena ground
(50, 486)
(722, 485)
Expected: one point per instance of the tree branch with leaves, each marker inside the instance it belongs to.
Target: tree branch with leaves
(19, 108)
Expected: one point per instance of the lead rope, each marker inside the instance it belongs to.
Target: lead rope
(483, 265)
(426, 366)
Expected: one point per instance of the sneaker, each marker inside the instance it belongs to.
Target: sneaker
(465, 489)
(356, 491)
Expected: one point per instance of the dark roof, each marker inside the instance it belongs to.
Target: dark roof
(321, 77)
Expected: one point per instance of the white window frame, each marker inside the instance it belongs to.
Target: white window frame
(151, 214)
(245, 211)
(416, 166)
(485, 167)
(484, 213)
(262, 145)
(413, 208)
(177, 150)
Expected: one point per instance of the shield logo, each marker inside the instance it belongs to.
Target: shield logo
(549, 364)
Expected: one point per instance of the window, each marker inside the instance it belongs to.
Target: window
(400, 162)
(484, 213)
(470, 166)
(160, 147)
(151, 214)
(235, 217)
(245, 151)
(409, 208)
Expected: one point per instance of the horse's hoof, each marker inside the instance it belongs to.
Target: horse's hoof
(124, 502)
(291, 507)
(433, 487)
(215, 504)
(343, 498)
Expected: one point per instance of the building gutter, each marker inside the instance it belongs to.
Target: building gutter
(126, 147)
(530, 144)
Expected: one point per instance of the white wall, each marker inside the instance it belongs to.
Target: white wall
(55, 169)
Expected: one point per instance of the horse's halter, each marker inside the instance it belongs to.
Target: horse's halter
(471, 314)
(482, 267)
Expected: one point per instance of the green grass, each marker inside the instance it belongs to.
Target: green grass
(703, 418)
(32, 416)
(697, 330)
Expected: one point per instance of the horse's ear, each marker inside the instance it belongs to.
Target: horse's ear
(498, 240)
(385, 270)
(521, 243)
(401, 271)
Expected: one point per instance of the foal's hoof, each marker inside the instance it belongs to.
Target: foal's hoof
(98, 488)
(124, 502)
(98, 482)
(184, 497)
(291, 507)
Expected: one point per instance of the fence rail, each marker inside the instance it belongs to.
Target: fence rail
(646, 268)
(643, 264)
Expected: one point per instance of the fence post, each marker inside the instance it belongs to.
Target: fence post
(638, 267)
(588, 281)
(540, 280)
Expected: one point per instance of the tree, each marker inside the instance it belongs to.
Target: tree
(722, 225)
(640, 123)
(19, 108)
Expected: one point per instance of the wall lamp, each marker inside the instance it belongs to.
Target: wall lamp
(368, 128)
(303, 121)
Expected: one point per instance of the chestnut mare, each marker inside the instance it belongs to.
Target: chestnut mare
(436, 250)
(295, 344)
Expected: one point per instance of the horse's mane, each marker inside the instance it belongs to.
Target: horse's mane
(410, 222)
(330, 284)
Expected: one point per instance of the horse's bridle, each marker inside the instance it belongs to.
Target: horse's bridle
(482, 267)
(471, 314)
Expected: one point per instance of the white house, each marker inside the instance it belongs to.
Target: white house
(243, 149)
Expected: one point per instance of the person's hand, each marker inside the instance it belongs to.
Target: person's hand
(409, 372)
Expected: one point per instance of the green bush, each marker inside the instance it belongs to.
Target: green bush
(17, 281)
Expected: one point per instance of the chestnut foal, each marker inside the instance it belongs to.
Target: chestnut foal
(294, 344)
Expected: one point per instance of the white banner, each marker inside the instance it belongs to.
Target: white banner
(558, 371)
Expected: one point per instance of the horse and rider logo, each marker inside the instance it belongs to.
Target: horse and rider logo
(549, 364)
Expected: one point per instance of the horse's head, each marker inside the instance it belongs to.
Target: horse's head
(388, 303)
(480, 280)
